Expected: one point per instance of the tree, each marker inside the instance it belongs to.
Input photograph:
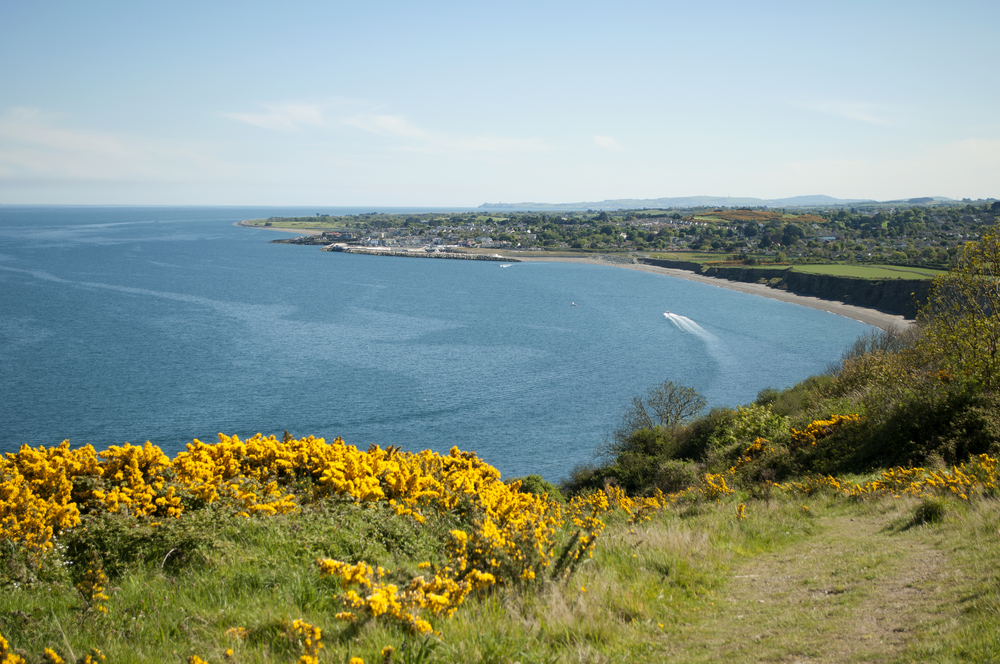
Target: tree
(961, 320)
(666, 406)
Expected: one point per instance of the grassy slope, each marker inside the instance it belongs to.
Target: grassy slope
(870, 271)
(841, 582)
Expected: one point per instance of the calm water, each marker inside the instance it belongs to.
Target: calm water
(168, 324)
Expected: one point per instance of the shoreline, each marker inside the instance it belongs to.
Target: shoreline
(300, 231)
(872, 317)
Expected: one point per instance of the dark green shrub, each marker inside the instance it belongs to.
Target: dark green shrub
(767, 396)
(974, 429)
(537, 485)
(694, 441)
(118, 542)
(802, 396)
(584, 478)
(674, 475)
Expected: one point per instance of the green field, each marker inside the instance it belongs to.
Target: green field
(870, 271)
(326, 224)
(692, 256)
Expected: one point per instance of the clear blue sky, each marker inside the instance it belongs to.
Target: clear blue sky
(458, 103)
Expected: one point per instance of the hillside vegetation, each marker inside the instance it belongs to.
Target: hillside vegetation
(923, 396)
(851, 517)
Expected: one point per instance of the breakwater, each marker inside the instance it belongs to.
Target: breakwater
(421, 254)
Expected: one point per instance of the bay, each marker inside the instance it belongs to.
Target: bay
(169, 324)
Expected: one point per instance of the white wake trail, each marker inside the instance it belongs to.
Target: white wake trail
(687, 325)
(712, 344)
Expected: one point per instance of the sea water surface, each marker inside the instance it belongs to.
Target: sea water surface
(169, 324)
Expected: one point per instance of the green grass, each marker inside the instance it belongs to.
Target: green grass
(870, 271)
(693, 584)
(326, 224)
(693, 257)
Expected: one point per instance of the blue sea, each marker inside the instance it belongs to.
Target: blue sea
(169, 324)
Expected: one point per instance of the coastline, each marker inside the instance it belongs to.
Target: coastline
(300, 231)
(872, 317)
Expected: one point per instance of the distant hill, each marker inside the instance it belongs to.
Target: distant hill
(684, 202)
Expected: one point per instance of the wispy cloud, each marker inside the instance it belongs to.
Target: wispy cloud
(608, 143)
(283, 117)
(33, 142)
(859, 112)
(370, 120)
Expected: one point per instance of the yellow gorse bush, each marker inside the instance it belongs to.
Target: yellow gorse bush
(714, 487)
(441, 596)
(820, 429)
(36, 492)
(979, 476)
(312, 638)
(38, 499)
(6, 656)
(637, 509)
(91, 587)
(510, 536)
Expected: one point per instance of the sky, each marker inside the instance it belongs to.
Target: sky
(430, 103)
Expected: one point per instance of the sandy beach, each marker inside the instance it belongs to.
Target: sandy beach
(870, 316)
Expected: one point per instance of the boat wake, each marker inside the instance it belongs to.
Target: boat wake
(685, 324)
(712, 343)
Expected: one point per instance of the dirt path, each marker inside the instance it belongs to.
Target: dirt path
(854, 592)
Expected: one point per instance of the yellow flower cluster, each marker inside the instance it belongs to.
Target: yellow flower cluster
(586, 512)
(741, 511)
(638, 509)
(980, 476)
(812, 485)
(756, 449)
(36, 492)
(92, 588)
(6, 656)
(136, 477)
(820, 429)
(311, 641)
(52, 657)
(714, 487)
(37, 498)
(441, 596)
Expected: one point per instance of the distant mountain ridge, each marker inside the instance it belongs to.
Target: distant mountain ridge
(685, 202)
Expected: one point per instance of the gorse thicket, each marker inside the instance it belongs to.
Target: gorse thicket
(506, 536)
